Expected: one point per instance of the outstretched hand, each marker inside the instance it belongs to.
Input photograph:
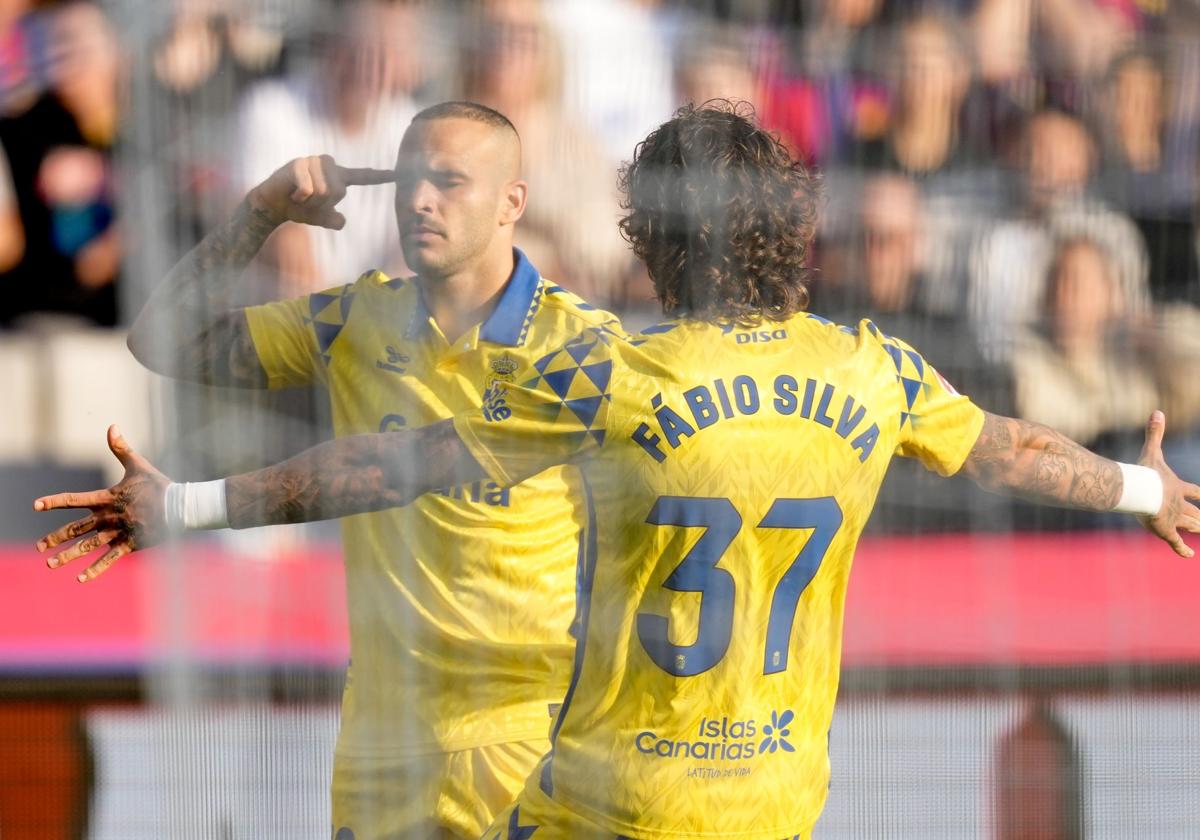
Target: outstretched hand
(1177, 513)
(126, 517)
(307, 190)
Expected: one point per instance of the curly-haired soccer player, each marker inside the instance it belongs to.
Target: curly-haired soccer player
(731, 456)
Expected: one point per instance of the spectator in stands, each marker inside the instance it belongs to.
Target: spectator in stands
(930, 130)
(213, 51)
(569, 229)
(715, 63)
(1010, 260)
(1150, 169)
(834, 99)
(718, 61)
(1079, 38)
(885, 269)
(354, 104)
(60, 154)
(206, 37)
(1080, 369)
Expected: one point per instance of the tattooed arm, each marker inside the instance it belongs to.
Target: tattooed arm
(1037, 463)
(188, 328)
(351, 475)
(338, 478)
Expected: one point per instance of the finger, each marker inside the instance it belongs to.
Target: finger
(1154, 435)
(121, 448)
(92, 499)
(1177, 543)
(316, 171)
(85, 546)
(111, 556)
(303, 180)
(1191, 491)
(67, 532)
(335, 184)
(365, 175)
(332, 220)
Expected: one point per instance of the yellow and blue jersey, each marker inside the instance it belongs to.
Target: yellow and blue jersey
(728, 475)
(459, 604)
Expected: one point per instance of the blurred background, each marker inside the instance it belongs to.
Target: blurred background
(1010, 185)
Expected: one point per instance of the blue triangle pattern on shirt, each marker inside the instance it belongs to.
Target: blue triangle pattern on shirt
(904, 418)
(541, 364)
(318, 301)
(585, 409)
(600, 373)
(579, 352)
(347, 300)
(326, 333)
(560, 381)
(598, 436)
(912, 389)
(897, 358)
(917, 361)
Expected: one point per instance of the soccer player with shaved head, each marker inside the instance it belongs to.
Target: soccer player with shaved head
(731, 456)
(460, 605)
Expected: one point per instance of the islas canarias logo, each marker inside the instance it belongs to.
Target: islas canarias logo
(777, 733)
(723, 739)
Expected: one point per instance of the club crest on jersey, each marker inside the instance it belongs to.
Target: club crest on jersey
(394, 360)
(504, 367)
(495, 395)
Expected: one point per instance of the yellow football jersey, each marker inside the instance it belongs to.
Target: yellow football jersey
(460, 605)
(729, 473)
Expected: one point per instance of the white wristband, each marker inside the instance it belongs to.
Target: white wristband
(1141, 490)
(198, 506)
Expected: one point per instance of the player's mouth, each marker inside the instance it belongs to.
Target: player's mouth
(422, 232)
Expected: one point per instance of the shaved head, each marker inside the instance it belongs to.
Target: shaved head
(508, 158)
(458, 188)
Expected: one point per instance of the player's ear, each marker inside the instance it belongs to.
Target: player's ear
(513, 205)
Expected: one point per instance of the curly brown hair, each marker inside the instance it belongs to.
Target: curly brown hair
(721, 215)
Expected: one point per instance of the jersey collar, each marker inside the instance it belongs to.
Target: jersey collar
(509, 321)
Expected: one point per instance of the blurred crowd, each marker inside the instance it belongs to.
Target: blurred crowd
(1010, 185)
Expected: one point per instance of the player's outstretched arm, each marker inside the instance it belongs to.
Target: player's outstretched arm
(1037, 463)
(350, 475)
(189, 328)
(338, 478)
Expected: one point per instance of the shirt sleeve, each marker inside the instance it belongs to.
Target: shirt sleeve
(553, 413)
(938, 425)
(294, 338)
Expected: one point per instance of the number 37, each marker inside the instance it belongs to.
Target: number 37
(698, 572)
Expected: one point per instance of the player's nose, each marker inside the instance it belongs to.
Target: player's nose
(418, 197)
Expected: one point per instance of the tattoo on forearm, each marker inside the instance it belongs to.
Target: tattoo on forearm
(188, 328)
(351, 475)
(1035, 462)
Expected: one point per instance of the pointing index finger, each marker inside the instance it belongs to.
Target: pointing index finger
(366, 175)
